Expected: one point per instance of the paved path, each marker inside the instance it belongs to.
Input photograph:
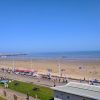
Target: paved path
(31, 79)
(10, 94)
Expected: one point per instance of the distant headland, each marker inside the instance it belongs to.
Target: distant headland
(15, 54)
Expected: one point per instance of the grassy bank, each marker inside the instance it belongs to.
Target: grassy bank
(43, 93)
(2, 98)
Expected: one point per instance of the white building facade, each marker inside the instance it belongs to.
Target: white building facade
(76, 91)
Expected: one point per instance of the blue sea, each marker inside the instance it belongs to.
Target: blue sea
(80, 55)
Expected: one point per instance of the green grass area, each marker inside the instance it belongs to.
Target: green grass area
(2, 98)
(1, 85)
(43, 93)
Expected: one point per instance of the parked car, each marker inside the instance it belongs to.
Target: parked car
(17, 73)
(4, 81)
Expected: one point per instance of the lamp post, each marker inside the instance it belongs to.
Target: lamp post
(59, 69)
(31, 63)
(13, 65)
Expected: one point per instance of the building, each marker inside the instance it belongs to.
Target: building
(77, 91)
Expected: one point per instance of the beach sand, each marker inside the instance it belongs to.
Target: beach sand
(74, 69)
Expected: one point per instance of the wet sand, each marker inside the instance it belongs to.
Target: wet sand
(74, 69)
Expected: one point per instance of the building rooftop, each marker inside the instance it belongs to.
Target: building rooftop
(80, 89)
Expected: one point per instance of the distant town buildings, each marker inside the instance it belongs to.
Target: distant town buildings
(77, 91)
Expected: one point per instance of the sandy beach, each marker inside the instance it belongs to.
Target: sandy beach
(74, 69)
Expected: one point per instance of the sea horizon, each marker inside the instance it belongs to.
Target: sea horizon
(69, 55)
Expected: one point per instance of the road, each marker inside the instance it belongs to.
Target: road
(30, 79)
(38, 81)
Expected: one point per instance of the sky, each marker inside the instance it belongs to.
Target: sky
(49, 25)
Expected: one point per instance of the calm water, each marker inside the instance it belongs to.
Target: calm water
(86, 55)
